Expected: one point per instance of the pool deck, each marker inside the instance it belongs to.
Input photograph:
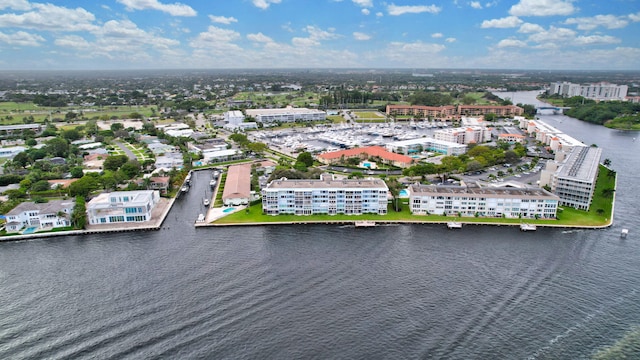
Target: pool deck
(215, 213)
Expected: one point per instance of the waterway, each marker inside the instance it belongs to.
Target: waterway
(330, 292)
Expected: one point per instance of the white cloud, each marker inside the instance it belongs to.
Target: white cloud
(365, 11)
(436, 35)
(21, 5)
(264, 4)
(73, 41)
(124, 34)
(379, 14)
(528, 28)
(507, 22)
(606, 21)
(222, 19)
(450, 40)
(363, 3)
(361, 36)
(21, 38)
(396, 10)
(512, 43)
(176, 9)
(634, 17)
(315, 36)
(475, 5)
(50, 17)
(553, 35)
(596, 40)
(217, 37)
(260, 38)
(542, 8)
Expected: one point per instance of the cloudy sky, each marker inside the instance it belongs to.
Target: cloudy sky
(161, 34)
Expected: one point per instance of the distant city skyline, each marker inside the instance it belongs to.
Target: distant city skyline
(164, 34)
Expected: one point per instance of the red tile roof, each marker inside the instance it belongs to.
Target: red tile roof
(370, 151)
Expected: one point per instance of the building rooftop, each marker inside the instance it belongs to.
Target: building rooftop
(328, 183)
(581, 164)
(476, 191)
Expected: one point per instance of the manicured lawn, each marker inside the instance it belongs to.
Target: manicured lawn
(566, 217)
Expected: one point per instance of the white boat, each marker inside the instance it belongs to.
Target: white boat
(365, 223)
(624, 233)
(184, 188)
(454, 225)
(527, 227)
(200, 218)
(212, 183)
(205, 202)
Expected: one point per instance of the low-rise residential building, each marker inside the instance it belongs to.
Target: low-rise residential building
(505, 111)
(421, 111)
(426, 144)
(122, 207)
(10, 152)
(169, 161)
(512, 138)
(288, 114)
(472, 200)
(464, 135)
(572, 176)
(325, 196)
(237, 187)
(365, 153)
(548, 135)
(40, 216)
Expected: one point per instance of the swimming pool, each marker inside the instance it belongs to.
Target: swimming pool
(403, 193)
(29, 230)
(228, 210)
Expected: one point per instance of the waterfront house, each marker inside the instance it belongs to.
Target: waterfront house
(40, 216)
(122, 207)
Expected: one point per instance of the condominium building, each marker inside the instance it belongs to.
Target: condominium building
(325, 196)
(464, 135)
(234, 117)
(596, 91)
(439, 112)
(450, 111)
(426, 144)
(122, 207)
(472, 200)
(548, 135)
(364, 153)
(288, 114)
(572, 176)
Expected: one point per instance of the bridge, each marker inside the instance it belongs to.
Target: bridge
(557, 110)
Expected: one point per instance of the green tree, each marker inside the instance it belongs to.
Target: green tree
(117, 126)
(306, 158)
(71, 134)
(130, 169)
(57, 147)
(83, 186)
(114, 162)
(76, 172)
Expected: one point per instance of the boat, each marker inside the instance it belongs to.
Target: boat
(454, 225)
(624, 233)
(205, 202)
(527, 227)
(213, 183)
(365, 223)
(185, 188)
(200, 218)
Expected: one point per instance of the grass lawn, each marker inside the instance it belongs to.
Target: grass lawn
(566, 217)
(368, 115)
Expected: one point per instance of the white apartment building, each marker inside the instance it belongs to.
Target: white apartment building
(234, 117)
(122, 207)
(39, 216)
(426, 144)
(464, 135)
(325, 196)
(597, 91)
(548, 135)
(470, 201)
(572, 176)
(288, 114)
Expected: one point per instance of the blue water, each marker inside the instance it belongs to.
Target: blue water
(228, 210)
(29, 230)
(403, 193)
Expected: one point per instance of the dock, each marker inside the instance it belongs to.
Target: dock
(454, 225)
(527, 227)
(365, 223)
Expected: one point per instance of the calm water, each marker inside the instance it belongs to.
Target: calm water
(330, 292)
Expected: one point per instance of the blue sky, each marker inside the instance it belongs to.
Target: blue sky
(164, 34)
